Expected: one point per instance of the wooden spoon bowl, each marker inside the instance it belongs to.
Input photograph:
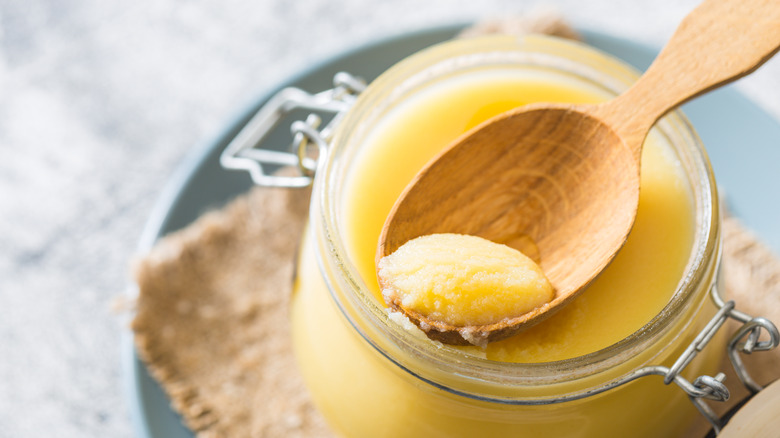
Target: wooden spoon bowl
(566, 177)
(550, 198)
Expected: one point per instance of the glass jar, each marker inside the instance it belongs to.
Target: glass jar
(371, 377)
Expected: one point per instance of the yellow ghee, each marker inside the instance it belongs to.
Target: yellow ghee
(367, 382)
(630, 292)
(462, 280)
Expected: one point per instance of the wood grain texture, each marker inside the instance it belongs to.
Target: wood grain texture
(503, 180)
(567, 177)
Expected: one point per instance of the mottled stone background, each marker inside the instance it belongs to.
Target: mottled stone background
(100, 100)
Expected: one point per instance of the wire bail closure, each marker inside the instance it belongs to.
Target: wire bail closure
(746, 340)
(244, 153)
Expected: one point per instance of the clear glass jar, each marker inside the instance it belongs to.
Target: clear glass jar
(371, 377)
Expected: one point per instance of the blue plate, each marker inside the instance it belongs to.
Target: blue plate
(742, 140)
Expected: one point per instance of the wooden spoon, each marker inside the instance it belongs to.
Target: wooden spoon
(567, 176)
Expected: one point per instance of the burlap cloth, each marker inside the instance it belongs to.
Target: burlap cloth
(211, 317)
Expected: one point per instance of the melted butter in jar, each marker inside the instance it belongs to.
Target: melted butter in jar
(629, 293)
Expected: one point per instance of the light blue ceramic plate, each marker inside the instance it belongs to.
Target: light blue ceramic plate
(742, 140)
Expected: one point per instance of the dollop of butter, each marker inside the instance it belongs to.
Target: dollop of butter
(462, 280)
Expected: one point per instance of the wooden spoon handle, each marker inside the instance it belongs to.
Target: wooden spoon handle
(719, 42)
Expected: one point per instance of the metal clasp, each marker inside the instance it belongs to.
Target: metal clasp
(244, 151)
(745, 340)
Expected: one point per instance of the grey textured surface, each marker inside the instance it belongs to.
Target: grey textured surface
(99, 101)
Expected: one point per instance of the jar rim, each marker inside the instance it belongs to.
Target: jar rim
(370, 319)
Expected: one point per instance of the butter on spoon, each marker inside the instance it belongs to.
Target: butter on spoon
(456, 287)
(567, 176)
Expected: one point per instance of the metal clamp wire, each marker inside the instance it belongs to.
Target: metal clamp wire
(747, 339)
(701, 341)
(752, 331)
(305, 133)
(246, 152)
